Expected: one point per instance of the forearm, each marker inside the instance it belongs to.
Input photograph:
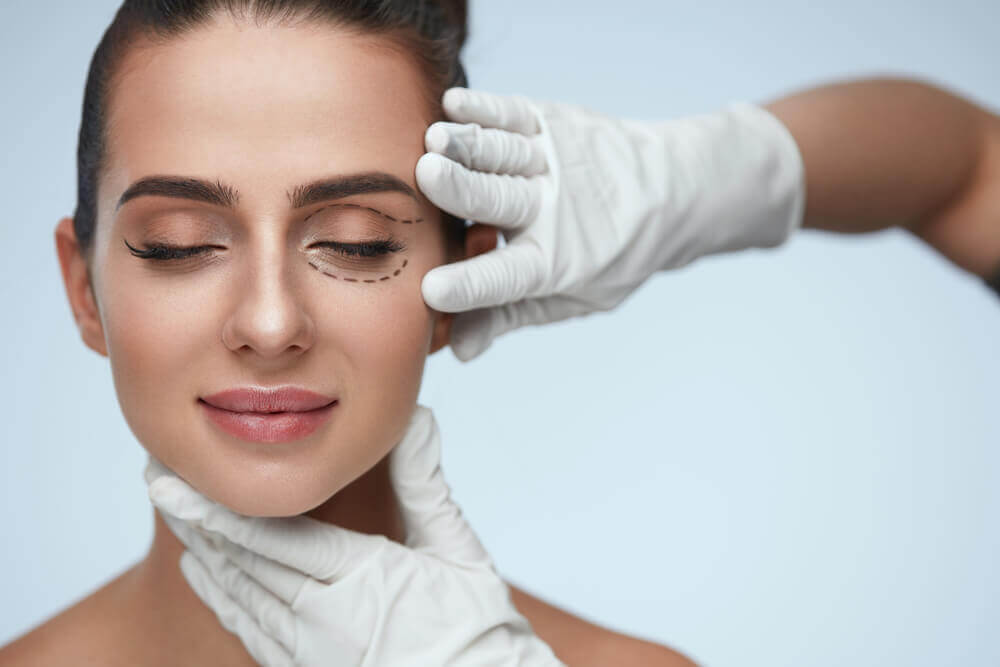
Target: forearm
(579, 643)
(886, 152)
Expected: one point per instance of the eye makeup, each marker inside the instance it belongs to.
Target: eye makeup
(369, 209)
(164, 253)
(365, 262)
(371, 261)
(364, 250)
(375, 257)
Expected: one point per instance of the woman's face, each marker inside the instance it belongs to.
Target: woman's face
(266, 111)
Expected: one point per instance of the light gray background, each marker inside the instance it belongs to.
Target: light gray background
(781, 457)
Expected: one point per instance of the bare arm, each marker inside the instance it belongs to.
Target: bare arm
(884, 152)
(580, 643)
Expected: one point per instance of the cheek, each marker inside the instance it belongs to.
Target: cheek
(387, 339)
(384, 348)
(384, 334)
(156, 334)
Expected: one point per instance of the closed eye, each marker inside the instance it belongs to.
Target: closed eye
(165, 252)
(363, 249)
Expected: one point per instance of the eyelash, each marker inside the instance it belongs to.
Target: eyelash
(363, 250)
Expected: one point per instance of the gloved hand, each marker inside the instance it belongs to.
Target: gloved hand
(590, 206)
(298, 591)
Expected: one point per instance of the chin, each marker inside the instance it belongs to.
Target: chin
(257, 505)
(274, 501)
(275, 488)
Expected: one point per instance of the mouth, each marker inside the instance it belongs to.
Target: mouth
(268, 412)
(268, 427)
(268, 400)
(266, 415)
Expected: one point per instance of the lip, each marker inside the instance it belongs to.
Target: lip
(268, 399)
(262, 414)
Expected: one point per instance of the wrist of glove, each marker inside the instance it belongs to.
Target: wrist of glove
(672, 191)
(298, 591)
(751, 187)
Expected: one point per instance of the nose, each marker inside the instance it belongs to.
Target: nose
(269, 320)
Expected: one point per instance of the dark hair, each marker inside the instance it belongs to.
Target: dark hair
(432, 31)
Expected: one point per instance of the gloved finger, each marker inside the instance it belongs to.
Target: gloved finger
(154, 470)
(284, 582)
(506, 112)
(496, 151)
(473, 332)
(495, 277)
(503, 200)
(320, 550)
(234, 618)
(185, 532)
(434, 523)
(272, 615)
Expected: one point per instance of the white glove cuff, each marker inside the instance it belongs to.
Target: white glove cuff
(769, 199)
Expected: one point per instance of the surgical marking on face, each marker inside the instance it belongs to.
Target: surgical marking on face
(366, 208)
(355, 280)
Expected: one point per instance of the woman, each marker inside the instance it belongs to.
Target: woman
(248, 217)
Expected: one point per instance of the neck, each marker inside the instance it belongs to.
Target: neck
(367, 505)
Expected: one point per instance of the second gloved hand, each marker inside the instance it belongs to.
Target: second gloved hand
(590, 205)
(298, 591)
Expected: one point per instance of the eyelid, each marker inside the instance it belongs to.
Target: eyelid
(369, 209)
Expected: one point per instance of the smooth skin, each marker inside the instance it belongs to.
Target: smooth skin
(116, 625)
(280, 106)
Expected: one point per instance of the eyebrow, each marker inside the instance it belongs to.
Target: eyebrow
(221, 194)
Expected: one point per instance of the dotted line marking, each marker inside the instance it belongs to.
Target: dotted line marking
(367, 280)
(366, 208)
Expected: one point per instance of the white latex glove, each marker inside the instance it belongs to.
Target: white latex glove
(298, 591)
(590, 206)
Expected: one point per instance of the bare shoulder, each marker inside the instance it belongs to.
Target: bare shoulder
(579, 643)
(86, 633)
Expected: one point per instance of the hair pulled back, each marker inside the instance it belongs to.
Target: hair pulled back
(431, 31)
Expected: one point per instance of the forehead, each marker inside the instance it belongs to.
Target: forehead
(264, 107)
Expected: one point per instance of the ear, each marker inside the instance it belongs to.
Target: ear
(78, 287)
(479, 238)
